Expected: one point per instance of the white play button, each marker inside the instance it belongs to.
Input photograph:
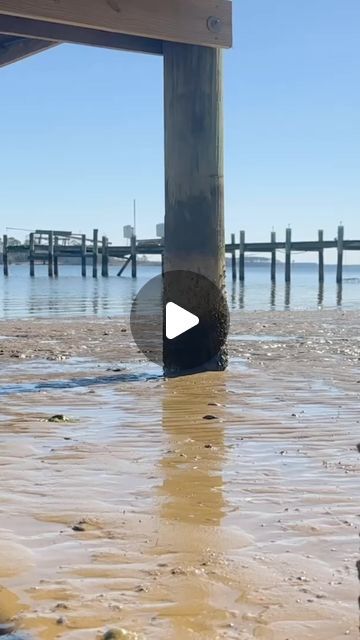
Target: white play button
(178, 320)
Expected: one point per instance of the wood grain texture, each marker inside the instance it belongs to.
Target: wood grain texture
(14, 49)
(183, 21)
(194, 190)
(77, 35)
(194, 198)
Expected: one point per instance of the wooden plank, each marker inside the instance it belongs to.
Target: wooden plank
(45, 232)
(124, 266)
(77, 35)
(14, 49)
(202, 22)
(262, 247)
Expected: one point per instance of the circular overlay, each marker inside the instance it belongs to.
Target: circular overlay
(192, 308)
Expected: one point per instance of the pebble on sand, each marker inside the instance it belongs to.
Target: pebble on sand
(59, 417)
(119, 634)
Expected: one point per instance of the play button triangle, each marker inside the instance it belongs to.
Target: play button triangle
(178, 320)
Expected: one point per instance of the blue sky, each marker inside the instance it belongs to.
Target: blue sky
(81, 129)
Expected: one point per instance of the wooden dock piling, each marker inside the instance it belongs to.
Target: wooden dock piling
(5, 255)
(133, 257)
(273, 257)
(242, 257)
(49, 247)
(194, 192)
(56, 256)
(321, 255)
(288, 255)
(105, 257)
(340, 254)
(83, 255)
(95, 253)
(51, 254)
(233, 257)
(31, 254)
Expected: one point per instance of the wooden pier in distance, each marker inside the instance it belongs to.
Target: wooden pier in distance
(50, 247)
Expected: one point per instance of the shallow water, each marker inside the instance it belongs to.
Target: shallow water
(22, 296)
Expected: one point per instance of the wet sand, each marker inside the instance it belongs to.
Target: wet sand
(141, 514)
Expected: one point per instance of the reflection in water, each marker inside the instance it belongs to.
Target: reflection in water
(193, 504)
(242, 295)
(287, 295)
(273, 295)
(70, 294)
(321, 294)
(339, 294)
(233, 295)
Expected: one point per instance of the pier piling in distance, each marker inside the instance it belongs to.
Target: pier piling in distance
(288, 255)
(5, 255)
(105, 257)
(233, 257)
(340, 254)
(242, 257)
(321, 255)
(56, 256)
(133, 257)
(31, 254)
(83, 255)
(273, 257)
(51, 254)
(95, 253)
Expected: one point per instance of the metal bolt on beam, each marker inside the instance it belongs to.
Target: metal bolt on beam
(214, 24)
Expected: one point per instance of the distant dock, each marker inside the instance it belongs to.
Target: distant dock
(51, 246)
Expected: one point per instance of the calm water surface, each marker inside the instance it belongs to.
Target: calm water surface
(22, 296)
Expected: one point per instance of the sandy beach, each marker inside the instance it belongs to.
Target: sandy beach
(198, 508)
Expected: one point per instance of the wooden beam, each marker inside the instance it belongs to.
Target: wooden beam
(77, 35)
(202, 22)
(14, 49)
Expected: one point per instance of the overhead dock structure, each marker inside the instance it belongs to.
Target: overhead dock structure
(190, 35)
